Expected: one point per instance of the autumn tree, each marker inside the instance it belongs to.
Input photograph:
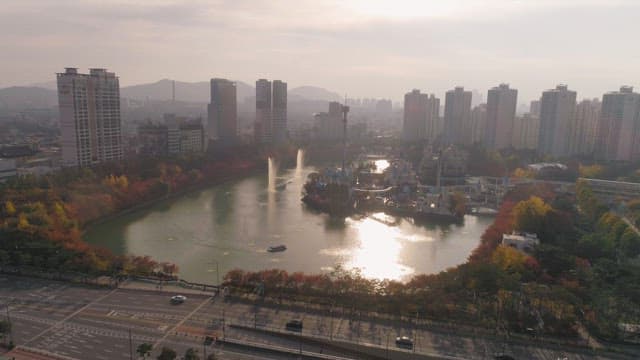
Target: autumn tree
(529, 215)
(9, 208)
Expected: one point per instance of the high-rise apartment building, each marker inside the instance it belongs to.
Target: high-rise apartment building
(279, 111)
(457, 111)
(222, 122)
(501, 110)
(557, 107)
(271, 111)
(478, 123)
(263, 111)
(330, 124)
(89, 117)
(619, 127)
(434, 126)
(585, 127)
(415, 116)
(525, 132)
(534, 108)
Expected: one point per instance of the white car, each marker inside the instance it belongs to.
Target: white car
(178, 299)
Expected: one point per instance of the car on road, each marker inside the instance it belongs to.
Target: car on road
(178, 299)
(404, 342)
(294, 325)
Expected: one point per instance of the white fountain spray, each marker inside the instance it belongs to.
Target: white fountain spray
(272, 176)
(299, 163)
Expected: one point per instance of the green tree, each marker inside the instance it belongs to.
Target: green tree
(144, 349)
(630, 243)
(5, 327)
(167, 354)
(191, 354)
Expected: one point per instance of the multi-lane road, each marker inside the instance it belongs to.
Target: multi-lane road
(80, 322)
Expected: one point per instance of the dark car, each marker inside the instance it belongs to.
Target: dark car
(294, 325)
(503, 357)
(404, 342)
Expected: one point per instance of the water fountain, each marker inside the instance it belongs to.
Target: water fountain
(299, 163)
(272, 176)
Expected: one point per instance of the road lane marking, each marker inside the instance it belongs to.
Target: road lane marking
(203, 303)
(69, 317)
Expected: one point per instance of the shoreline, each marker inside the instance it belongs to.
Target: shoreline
(190, 189)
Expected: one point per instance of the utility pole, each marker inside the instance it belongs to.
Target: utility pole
(9, 322)
(223, 337)
(217, 275)
(388, 343)
(331, 324)
(130, 345)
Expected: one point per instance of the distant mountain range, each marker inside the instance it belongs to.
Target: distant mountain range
(43, 95)
(26, 97)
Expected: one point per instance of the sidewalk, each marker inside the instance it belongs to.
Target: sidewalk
(169, 288)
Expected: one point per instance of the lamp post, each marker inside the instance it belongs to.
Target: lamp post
(214, 261)
(388, 343)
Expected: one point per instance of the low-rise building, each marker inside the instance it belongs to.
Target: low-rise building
(152, 140)
(191, 137)
(7, 169)
(521, 241)
(612, 191)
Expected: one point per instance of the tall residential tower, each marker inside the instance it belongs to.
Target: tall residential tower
(501, 111)
(271, 111)
(457, 116)
(557, 107)
(222, 111)
(619, 128)
(89, 117)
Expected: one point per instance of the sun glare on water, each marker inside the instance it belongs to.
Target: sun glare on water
(378, 254)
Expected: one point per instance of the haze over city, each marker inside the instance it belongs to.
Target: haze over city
(361, 48)
(311, 179)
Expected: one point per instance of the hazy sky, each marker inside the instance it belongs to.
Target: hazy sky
(365, 48)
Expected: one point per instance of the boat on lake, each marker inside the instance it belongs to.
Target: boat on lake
(277, 248)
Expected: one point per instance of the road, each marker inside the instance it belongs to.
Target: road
(91, 323)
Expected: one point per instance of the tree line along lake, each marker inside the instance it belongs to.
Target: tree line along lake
(231, 225)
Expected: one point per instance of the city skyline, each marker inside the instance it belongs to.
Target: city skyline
(264, 40)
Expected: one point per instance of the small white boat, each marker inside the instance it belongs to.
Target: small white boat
(277, 248)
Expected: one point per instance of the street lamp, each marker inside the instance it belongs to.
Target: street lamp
(214, 261)
(388, 333)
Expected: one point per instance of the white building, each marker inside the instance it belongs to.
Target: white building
(89, 117)
(525, 242)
